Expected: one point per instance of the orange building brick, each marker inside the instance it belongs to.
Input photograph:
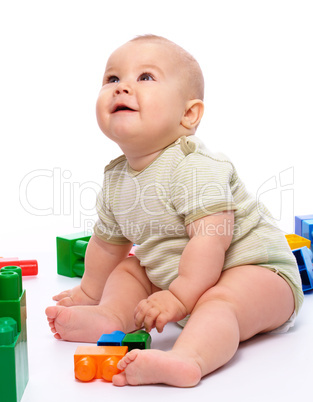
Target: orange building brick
(95, 362)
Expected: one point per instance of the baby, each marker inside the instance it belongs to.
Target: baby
(208, 255)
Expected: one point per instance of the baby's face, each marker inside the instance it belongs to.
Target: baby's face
(143, 96)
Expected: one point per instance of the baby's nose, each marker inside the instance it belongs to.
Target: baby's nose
(122, 87)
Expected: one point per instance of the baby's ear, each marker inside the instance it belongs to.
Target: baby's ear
(193, 114)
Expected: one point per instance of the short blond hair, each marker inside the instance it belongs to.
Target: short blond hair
(189, 65)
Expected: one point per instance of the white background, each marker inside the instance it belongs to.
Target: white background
(257, 61)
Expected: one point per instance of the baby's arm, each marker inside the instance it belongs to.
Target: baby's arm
(200, 267)
(203, 258)
(100, 260)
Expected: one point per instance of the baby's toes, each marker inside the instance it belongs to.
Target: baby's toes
(120, 379)
(122, 364)
(51, 325)
(66, 302)
(61, 295)
(127, 359)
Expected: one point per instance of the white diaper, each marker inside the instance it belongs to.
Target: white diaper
(285, 327)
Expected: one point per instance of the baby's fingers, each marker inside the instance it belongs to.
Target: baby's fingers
(140, 313)
(146, 315)
(160, 322)
(150, 319)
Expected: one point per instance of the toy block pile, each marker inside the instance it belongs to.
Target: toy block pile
(100, 362)
(13, 335)
(135, 340)
(301, 246)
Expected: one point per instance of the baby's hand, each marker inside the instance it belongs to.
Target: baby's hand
(159, 309)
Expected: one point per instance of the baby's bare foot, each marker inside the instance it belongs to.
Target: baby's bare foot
(151, 366)
(81, 323)
(74, 297)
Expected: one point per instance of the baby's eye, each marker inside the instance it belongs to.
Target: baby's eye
(112, 79)
(146, 77)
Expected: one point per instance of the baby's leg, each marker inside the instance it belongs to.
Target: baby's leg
(125, 288)
(246, 301)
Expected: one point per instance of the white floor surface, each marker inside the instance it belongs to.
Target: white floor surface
(265, 368)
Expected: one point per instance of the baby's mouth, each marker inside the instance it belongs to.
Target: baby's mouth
(122, 108)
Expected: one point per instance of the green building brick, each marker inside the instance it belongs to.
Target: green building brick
(13, 335)
(137, 340)
(71, 250)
